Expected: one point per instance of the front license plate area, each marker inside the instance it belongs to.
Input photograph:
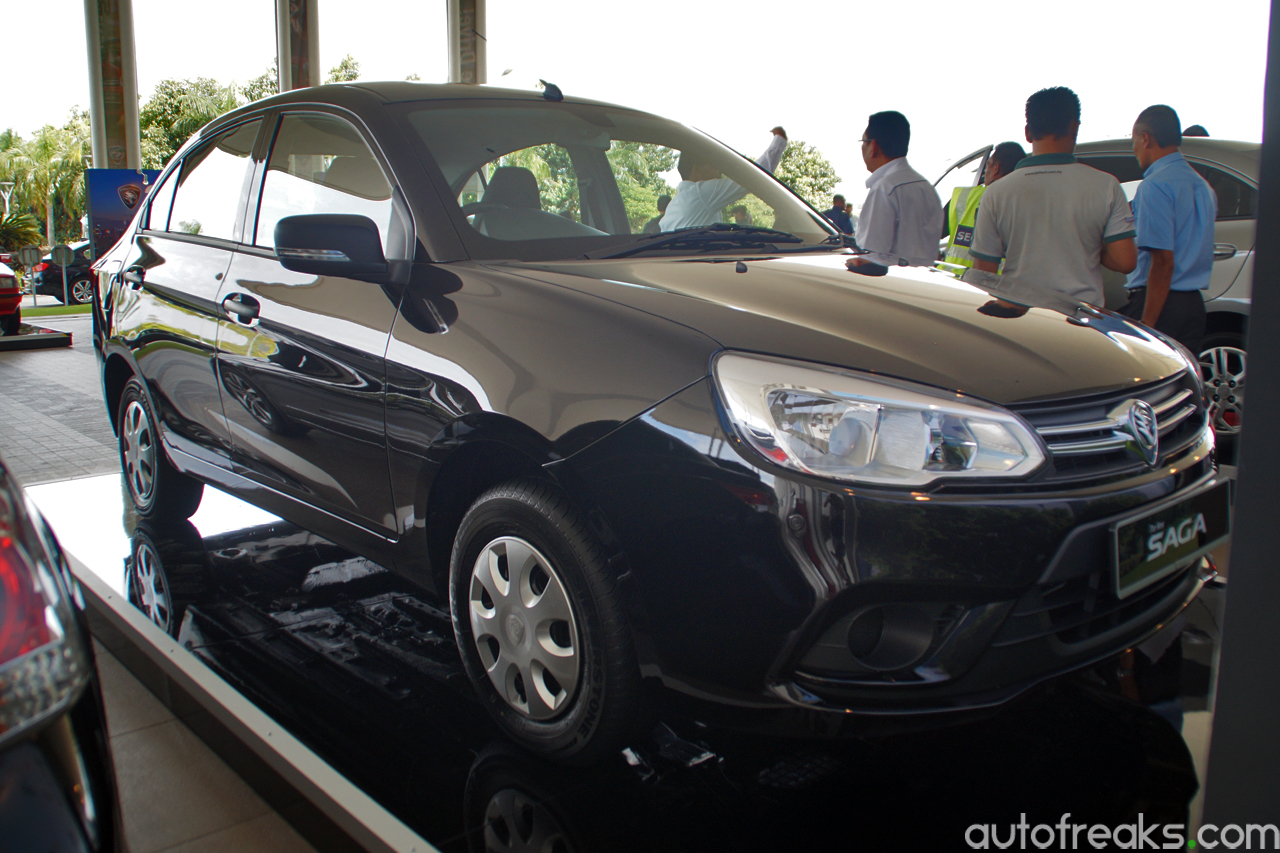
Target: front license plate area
(1150, 546)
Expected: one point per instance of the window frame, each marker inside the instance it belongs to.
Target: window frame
(402, 217)
(245, 186)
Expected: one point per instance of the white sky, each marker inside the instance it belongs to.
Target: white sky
(734, 69)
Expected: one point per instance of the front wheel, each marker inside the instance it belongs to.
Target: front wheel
(1222, 363)
(540, 625)
(157, 489)
(11, 323)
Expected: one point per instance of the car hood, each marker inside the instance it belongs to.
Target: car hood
(917, 324)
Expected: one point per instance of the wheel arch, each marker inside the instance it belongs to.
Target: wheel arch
(116, 373)
(1225, 321)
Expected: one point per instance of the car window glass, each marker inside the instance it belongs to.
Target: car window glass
(321, 164)
(1236, 199)
(547, 180)
(209, 189)
(161, 201)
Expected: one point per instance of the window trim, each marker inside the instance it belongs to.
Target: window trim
(400, 209)
(176, 166)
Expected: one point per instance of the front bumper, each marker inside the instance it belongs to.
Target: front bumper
(742, 581)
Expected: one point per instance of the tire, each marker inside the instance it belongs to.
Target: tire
(81, 292)
(10, 324)
(157, 489)
(529, 578)
(1222, 364)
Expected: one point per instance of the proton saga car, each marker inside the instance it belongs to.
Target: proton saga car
(426, 323)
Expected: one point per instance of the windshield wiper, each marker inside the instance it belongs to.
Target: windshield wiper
(703, 238)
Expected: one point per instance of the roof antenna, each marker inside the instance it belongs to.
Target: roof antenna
(551, 91)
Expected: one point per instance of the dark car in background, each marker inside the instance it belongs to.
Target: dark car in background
(57, 784)
(425, 323)
(46, 276)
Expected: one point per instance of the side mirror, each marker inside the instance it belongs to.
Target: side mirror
(330, 244)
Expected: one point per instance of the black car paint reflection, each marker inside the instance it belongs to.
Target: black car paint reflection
(363, 668)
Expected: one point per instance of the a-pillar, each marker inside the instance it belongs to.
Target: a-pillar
(298, 43)
(113, 84)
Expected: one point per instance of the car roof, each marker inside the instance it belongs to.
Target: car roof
(1243, 157)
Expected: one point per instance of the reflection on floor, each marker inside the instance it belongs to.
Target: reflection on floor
(357, 664)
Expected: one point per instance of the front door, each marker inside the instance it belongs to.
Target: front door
(302, 363)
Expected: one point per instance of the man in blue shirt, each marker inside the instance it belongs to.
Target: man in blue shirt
(1176, 209)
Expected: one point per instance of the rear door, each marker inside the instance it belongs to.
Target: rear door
(168, 310)
(303, 368)
(1233, 232)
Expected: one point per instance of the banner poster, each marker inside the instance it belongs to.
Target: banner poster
(114, 198)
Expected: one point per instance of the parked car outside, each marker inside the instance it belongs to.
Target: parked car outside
(424, 322)
(46, 276)
(10, 301)
(1231, 168)
(57, 782)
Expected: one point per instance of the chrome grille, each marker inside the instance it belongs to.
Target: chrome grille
(1084, 436)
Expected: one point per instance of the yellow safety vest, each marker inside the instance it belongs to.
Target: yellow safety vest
(962, 217)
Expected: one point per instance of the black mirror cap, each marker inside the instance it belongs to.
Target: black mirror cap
(330, 244)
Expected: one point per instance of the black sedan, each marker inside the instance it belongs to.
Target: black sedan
(57, 785)
(47, 276)
(426, 323)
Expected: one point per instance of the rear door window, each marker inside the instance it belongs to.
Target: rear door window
(208, 195)
(321, 164)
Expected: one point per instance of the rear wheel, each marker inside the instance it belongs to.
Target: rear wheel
(81, 292)
(156, 488)
(1222, 363)
(540, 624)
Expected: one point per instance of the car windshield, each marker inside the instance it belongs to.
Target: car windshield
(548, 180)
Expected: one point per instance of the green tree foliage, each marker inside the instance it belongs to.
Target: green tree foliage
(48, 175)
(809, 175)
(176, 110)
(638, 168)
(345, 71)
(19, 229)
(264, 85)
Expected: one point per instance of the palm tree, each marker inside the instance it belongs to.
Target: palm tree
(197, 108)
(50, 168)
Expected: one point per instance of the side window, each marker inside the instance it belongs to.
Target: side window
(161, 202)
(1236, 199)
(321, 164)
(209, 189)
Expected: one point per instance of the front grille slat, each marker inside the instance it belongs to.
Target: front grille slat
(1084, 441)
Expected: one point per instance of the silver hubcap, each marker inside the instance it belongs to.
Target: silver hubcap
(514, 822)
(138, 451)
(82, 291)
(1223, 369)
(153, 596)
(524, 628)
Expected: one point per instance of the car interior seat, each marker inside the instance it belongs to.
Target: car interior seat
(513, 186)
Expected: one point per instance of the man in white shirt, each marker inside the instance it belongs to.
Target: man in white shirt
(1055, 222)
(902, 216)
(703, 192)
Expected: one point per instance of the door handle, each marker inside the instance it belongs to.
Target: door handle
(1223, 251)
(134, 276)
(242, 307)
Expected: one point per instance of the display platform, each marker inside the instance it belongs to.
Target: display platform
(345, 681)
(34, 337)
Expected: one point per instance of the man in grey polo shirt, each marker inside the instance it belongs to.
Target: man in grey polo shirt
(1055, 222)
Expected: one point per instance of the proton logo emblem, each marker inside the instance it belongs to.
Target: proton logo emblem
(515, 629)
(1136, 420)
(129, 194)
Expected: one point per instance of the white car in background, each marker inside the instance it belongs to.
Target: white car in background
(1231, 168)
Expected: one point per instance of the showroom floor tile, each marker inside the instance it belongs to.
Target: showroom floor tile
(176, 795)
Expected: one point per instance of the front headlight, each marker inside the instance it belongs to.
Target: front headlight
(849, 427)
